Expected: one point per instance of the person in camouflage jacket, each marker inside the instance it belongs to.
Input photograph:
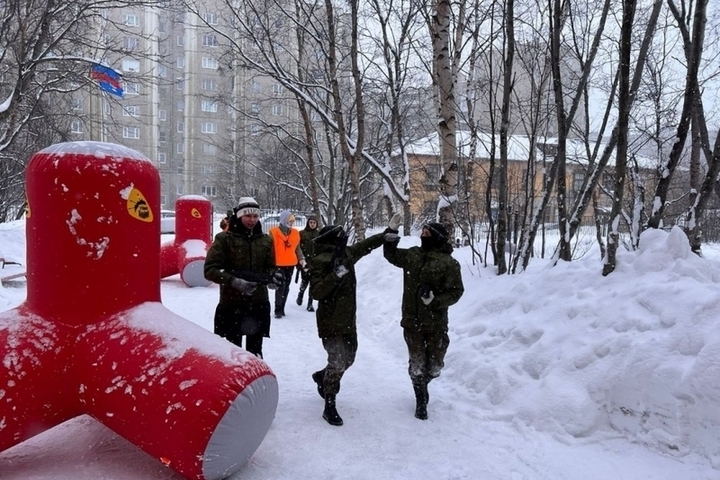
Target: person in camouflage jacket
(244, 306)
(333, 284)
(431, 283)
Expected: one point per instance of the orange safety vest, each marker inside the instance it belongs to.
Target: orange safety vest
(285, 246)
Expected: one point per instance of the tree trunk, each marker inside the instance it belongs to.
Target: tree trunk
(622, 144)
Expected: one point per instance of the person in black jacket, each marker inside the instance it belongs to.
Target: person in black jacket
(307, 245)
(244, 306)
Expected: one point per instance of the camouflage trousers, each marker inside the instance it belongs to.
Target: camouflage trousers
(426, 352)
(341, 350)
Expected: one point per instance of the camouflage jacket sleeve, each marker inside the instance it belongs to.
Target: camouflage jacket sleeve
(394, 255)
(453, 287)
(360, 249)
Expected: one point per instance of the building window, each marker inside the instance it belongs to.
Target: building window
(578, 179)
(255, 129)
(209, 84)
(180, 105)
(209, 106)
(210, 18)
(256, 86)
(162, 71)
(130, 65)
(131, 43)
(131, 20)
(162, 115)
(162, 136)
(277, 109)
(180, 62)
(180, 169)
(251, 170)
(131, 88)
(208, 169)
(131, 132)
(163, 200)
(162, 157)
(180, 148)
(209, 62)
(180, 40)
(180, 126)
(179, 83)
(209, 127)
(255, 108)
(76, 126)
(131, 111)
(209, 149)
(77, 103)
(209, 40)
(278, 89)
(180, 189)
(208, 191)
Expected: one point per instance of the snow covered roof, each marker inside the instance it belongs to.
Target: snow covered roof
(518, 148)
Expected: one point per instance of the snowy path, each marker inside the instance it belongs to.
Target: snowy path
(381, 439)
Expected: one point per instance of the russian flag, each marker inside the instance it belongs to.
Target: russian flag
(107, 78)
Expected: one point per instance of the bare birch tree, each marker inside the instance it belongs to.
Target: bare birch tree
(613, 237)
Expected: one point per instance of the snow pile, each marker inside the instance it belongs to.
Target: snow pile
(568, 351)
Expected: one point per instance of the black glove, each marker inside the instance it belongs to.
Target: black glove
(243, 286)
(278, 280)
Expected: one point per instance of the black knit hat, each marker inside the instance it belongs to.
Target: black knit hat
(437, 230)
(330, 234)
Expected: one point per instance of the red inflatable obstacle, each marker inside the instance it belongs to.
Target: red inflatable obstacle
(93, 338)
(193, 235)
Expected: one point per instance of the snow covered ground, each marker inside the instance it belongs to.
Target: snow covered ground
(557, 373)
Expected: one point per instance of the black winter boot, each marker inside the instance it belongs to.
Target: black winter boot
(299, 299)
(421, 398)
(310, 306)
(330, 414)
(319, 378)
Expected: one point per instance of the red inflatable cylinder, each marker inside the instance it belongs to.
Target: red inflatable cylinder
(202, 408)
(37, 387)
(96, 215)
(84, 343)
(193, 235)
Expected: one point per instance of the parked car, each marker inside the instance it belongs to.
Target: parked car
(167, 221)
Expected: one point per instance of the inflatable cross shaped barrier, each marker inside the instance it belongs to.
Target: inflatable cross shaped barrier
(193, 235)
(93, 338)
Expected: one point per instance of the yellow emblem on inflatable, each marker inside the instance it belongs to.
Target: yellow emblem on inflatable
(194, 212)
(138, 207)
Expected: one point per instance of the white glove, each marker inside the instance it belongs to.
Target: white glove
(341, 270)
(394, 222)
(428, 297)
(303, 264)
(391, 237)
(243, 286)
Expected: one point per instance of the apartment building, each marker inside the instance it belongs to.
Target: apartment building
(186, 104)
